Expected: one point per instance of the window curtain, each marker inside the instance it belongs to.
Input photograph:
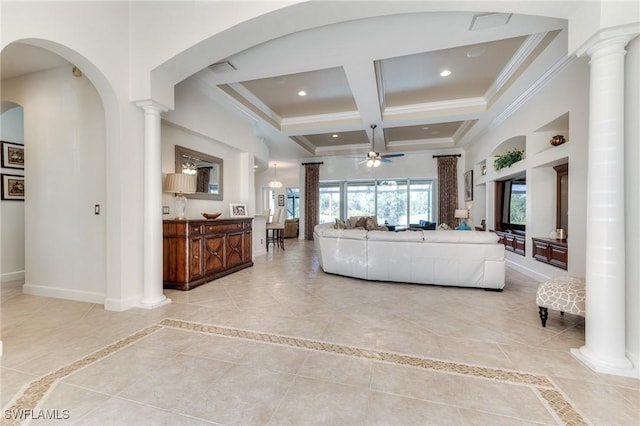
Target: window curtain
(447, 190)
(311, 198)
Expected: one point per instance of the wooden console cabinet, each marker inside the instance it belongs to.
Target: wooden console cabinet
(553, 252)
(199, 251)
(512, 242)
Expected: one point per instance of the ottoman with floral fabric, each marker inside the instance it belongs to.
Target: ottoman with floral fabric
(564, 294)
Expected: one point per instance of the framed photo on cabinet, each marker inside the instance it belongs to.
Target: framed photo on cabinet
(12, 155)
(12, 187)
(238, 210)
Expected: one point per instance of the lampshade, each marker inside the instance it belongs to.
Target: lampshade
(461, 214)
(180, 183)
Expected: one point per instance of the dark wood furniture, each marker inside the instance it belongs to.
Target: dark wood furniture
(199, 251)
(512, 241)
(553, 252)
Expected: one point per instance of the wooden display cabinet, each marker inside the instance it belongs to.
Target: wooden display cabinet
(553, 252)
(198, 251)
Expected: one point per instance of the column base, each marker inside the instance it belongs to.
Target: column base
(152, 304)
(618, 367)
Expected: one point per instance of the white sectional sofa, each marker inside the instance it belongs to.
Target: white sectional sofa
(455, 258)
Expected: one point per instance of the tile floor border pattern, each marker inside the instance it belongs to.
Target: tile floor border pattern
(558, 404)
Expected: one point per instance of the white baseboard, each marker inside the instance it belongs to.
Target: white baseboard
(260, 252)
(63, 293)
(12, 276)
(526, 271)
(120, 305)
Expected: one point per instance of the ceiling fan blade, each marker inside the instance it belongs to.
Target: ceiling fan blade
(385, 160)
(392, 155)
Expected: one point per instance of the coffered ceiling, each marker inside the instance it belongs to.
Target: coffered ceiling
(424, 79)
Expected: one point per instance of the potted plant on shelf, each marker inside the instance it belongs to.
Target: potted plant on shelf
(506, 160)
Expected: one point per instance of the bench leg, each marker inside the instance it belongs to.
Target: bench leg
(544, 314)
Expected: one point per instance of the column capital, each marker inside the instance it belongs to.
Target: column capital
(151, 105)
(618, 36)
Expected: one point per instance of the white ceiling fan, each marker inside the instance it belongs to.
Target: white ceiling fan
(374, 158)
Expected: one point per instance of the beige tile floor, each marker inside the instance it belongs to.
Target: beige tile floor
(296, 346)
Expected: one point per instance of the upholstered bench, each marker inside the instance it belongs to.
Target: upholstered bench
(564, 294)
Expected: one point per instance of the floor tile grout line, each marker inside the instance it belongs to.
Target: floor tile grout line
(35, 392)
(340, 349)
(558, 403)
(30, 396)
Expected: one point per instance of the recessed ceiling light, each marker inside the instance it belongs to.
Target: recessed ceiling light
(445, 73)
(302, 93)
(476, 51)
(425, 128)
(435, 132)
(335, 135)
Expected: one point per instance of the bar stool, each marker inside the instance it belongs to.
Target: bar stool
(275, 229)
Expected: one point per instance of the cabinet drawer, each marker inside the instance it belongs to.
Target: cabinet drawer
(222, 229)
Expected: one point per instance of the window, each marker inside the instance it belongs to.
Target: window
(361, 198)
(512, 200)
(293, 203)
(392, 202)
(399, 202)
(421, 201)
(330, 202)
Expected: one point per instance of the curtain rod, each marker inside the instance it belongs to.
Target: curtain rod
(450, 155)
(305, 164)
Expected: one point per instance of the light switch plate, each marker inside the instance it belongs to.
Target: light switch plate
(165, 210)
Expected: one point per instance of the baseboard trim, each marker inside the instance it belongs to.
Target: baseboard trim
(63, 293)
(12, 276)
(526, 271)
(120, 305)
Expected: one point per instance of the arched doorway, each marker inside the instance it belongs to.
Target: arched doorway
(65, 141)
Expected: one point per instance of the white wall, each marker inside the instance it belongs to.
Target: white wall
(632, 199)
(544, 107)
(173, 135)
(217, 129)
(64, 134)
(12, 212)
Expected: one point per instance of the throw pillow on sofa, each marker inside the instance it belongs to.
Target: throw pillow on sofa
(340, 224)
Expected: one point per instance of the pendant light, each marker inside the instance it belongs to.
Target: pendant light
(275, 183)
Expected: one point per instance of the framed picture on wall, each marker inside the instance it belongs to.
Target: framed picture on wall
(281, 200)
(238, 210)
(12, 187)
(12, 155)
(468, 186)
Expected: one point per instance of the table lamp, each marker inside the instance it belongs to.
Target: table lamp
(180, 184)
(461, 215)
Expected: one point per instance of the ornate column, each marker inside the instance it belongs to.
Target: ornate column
(605, 342)
(152, 295)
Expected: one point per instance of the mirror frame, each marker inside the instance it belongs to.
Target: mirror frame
(181, 151)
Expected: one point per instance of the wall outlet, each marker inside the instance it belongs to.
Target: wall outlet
(96, 209)
(165, 210)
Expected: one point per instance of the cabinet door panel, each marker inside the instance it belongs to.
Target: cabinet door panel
(213, 253)
(196, 257)
(246, 254)
(234, 249)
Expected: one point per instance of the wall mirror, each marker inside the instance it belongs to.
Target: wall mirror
(207, 170)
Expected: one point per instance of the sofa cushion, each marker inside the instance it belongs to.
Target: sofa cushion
(468, 237)
(395, 236)
(331, 232)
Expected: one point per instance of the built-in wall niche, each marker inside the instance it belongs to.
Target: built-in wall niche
(540, 140)
(516, 143)
(511, 204)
